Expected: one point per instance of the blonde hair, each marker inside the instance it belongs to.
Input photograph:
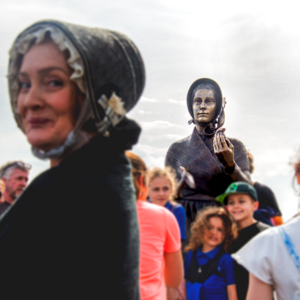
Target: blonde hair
(202, 223)
(167, 173)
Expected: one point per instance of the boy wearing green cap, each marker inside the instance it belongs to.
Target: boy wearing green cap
(241, 201)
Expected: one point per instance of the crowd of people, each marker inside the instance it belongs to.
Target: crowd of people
(99, 223)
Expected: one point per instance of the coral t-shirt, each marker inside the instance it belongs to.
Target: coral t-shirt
(159, 233)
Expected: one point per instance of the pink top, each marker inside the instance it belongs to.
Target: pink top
(159, 233)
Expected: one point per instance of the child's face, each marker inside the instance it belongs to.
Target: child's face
(241, 206)
(214, 235)
(160, 190)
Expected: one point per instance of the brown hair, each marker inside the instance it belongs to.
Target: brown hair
(202, 223)
(138, 169)
(167, 173)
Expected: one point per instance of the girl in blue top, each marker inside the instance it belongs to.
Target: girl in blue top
(209, 270)
(161, 190)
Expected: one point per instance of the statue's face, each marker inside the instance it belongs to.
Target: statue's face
(205, 106)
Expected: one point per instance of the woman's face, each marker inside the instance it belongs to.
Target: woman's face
(205, 105)
(160, 190)
(214, 235)
(46, 100)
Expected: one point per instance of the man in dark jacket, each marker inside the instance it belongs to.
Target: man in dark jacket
(14, 174)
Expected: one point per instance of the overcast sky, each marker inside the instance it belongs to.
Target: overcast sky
(251, 49)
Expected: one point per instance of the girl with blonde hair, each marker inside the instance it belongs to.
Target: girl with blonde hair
(161, 191)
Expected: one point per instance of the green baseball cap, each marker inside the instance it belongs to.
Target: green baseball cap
(239, 187)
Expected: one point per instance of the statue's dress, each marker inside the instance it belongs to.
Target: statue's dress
(196, 154)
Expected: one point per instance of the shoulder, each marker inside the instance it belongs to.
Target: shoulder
(179, 213)
(177, 207)
(226, 259)
(262, 226)
(236, 142)
(44, 187)
(292, 229)
(268, 233)
(150, 207)
(262, 188)
(180, 209)
(188, 257)
(153, 210)
(47, 181)
(178, 145)
(263, 241)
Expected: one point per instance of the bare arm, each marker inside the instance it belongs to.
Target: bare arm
(231, 292)
(173, 268)
(224, 150)
(259, 290)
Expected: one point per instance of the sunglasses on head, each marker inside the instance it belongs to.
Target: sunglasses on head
(20, 164)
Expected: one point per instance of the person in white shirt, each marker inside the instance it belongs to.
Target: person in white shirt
(273, 260)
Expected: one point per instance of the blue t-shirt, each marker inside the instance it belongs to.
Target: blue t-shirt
(215, 287)
(179, 213)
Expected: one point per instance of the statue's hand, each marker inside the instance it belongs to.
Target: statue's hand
(224, 150)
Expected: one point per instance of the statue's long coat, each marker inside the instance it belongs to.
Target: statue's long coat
(196, 154)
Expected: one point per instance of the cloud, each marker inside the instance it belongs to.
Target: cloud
(153, 156)
(159, 125)
(168, 136)
(142, 112)
(273, 163)
(178, 102)
(148, 100)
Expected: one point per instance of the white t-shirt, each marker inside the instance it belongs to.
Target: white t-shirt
(268, 259)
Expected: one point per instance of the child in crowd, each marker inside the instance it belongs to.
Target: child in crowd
(160, 247)
(241, 201)
(161, 190)
(209, 270)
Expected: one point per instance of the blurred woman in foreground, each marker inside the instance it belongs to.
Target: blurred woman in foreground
(160, 254)
(73, 234)
(273, 260)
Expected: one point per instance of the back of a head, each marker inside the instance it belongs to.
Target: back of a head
(138, 172)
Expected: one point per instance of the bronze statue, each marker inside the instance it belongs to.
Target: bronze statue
(207, 154)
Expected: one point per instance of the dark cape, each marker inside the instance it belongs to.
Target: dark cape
(196, 154)
(73, 233)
